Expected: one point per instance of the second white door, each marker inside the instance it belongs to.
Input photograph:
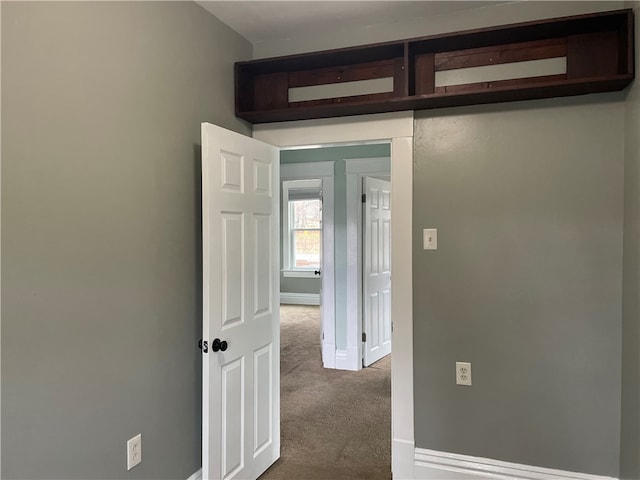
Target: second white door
(376, 298)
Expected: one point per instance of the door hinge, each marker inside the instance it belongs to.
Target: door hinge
(364, 198)
(323, 335)
(364, 337)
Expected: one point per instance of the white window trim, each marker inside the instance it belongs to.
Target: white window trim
(289, 270)
(299, 274)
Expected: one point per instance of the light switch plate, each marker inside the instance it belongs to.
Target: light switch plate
(430, 238)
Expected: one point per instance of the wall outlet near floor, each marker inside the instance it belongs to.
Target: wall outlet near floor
(463, 373)
(134, 451)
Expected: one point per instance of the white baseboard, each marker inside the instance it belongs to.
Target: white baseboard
(300, 298)
(196, 476)
(328, 355)
(341, 360)
(348, 359)
(431, 465)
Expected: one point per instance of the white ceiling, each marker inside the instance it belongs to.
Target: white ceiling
(266, 20)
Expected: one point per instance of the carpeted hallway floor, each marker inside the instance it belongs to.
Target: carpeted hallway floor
(336, 425)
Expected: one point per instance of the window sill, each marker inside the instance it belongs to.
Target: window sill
(299, 274)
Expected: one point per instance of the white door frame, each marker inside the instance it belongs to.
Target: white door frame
(356, 170)
(398, 128)
(324, 171)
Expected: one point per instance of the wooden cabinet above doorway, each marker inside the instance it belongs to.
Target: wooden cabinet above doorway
(548, 58)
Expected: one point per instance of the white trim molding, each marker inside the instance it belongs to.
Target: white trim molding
(402, 302)
(196, 476)
(299, 274)
(329, 354)
(348, 359)
(397, 127)
(431, 464)
(291, 298)
(331, 131)
(402, 459)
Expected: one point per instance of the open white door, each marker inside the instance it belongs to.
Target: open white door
(241, 378)
(376, 269)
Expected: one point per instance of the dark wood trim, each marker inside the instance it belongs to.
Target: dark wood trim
(425, 73)
(343, 73)
(498, 54)
(472, 87)
(372, 97)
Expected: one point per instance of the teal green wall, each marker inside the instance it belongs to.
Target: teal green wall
(337, 155)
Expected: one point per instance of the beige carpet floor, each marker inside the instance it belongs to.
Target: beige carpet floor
(334, 424)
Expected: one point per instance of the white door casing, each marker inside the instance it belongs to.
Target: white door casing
(376, 296)
(240, 225)
(396, 127)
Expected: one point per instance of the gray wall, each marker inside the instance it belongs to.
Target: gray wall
(528, 419)
(630, 424)
(526, 283)
(101, 262)
(337, 155)
(299, 285)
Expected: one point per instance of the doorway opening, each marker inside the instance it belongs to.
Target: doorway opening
(353, 284)
(398, 128)
(344, 417)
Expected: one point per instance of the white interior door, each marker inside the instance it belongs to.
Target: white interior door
(241, 384)
(377, 269)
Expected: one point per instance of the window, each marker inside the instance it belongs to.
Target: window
(305, 227)
(302, 225)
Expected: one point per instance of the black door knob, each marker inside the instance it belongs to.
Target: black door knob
(316, 272)
(204, 346)
(219, 345)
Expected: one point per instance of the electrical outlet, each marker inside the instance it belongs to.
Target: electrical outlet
(463, 373)
(134, 451)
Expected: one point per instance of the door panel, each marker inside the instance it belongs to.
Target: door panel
(232, 252)
(263, 427)
(377, 269)
(241, 422)
(262, 272)
(232, 417)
